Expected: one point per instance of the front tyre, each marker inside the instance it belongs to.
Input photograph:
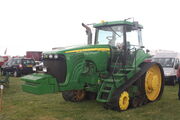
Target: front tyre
(3, 72)
(173, 81)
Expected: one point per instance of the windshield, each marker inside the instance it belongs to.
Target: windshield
(28, 61)
(113, 35)
(165, 62)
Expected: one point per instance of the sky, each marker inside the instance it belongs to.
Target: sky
(40, 25)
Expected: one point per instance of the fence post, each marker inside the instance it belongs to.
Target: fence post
(1, 97)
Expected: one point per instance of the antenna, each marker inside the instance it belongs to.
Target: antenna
(91, 24)
(129, 19)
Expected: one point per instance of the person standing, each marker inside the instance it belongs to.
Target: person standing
(178, 77)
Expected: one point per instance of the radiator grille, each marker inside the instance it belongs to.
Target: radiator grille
(57, 68)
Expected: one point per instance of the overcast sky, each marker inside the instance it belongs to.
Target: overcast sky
(40, 25)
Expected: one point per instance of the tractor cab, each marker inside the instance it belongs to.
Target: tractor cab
(116, 34)
(124, 39)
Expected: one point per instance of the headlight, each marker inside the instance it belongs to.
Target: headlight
(34, 68)
(45, 56)
(56, 56)
(44, 69)
(50, 56)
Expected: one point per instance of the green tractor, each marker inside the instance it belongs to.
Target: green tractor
(114, 70)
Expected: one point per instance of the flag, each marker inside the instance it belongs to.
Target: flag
(5, 51)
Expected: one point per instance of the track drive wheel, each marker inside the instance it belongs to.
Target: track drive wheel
(74, 95)
(119, 101)
(124, 101)
(154, 82)
(134, 102)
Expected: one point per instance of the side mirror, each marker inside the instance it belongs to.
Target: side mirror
(136, 24)
(147, 51)
(142, 47)
(176, 66)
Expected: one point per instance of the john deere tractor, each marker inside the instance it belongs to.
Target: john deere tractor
(114, 69)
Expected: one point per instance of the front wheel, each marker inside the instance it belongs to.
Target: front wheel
(173, 81)
(3, 72)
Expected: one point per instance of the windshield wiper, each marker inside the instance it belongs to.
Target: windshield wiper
(114, 32)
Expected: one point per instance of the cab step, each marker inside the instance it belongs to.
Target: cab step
(105, 91)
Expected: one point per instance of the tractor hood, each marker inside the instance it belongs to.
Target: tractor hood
(66, 69)
(75, 49)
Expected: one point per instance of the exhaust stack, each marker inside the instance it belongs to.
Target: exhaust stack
(89, 34)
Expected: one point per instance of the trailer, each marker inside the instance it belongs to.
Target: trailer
(36, 55)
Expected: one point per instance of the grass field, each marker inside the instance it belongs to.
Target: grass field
(23, 106)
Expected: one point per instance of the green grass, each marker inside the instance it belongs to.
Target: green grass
(19, 105)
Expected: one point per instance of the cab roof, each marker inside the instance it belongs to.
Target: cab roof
(116, 23)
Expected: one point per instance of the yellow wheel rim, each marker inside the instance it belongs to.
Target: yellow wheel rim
(153, 82)
(124, 101)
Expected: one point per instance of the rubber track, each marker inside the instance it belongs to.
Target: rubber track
(113, 104)
(68, 95)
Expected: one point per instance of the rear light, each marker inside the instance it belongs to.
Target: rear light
(20, 66)
(148, 60)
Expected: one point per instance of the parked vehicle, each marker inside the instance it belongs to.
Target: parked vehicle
(170, 62)
(3, 59)
(18, 66)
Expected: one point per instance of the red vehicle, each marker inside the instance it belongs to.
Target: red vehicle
(36, 55)
(3, 59)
